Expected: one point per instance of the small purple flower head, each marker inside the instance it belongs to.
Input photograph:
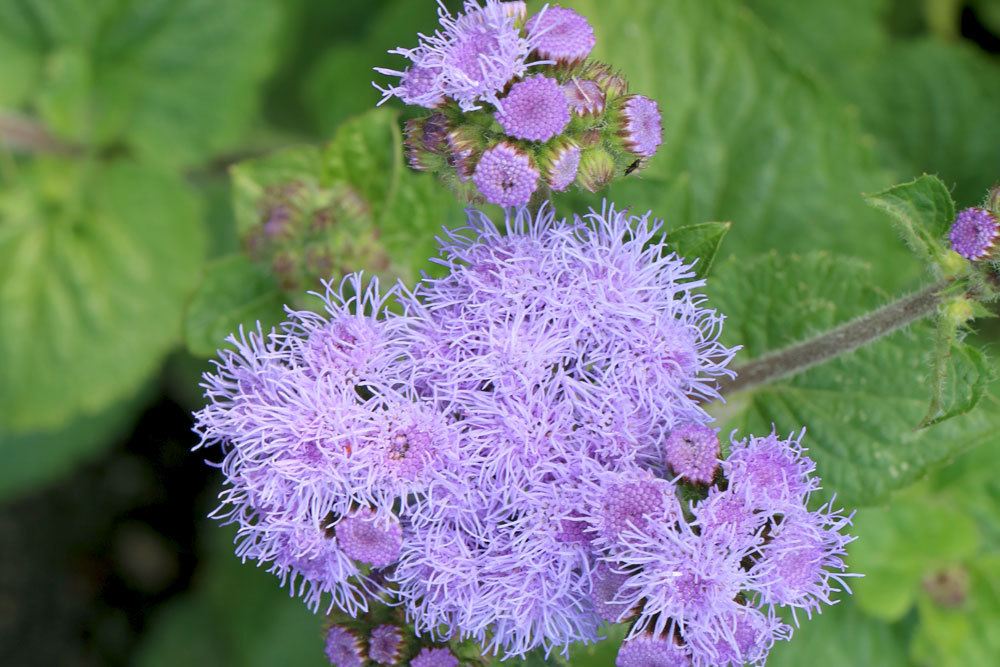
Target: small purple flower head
(743, 636)
(470, 59)
(385, 644)
(771, 470)
(561, 165)
(607, 583)
(561, 35)
(974, 234)
(692, 451)
(680, 579)
(632, 501)
(535, 109)
(344, 648)
(731, 516)
(802, 564)
(642, 126)
(652, 651)
(419, 86)
(434, 657)
(585, 97)
(506, 176)
(370, 539)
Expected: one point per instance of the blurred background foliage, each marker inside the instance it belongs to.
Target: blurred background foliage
(146, 144)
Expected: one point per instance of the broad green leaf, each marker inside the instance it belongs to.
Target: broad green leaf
(928, 105)
(860, 410)
(842, 636)
(922, 212)
(899, 545)
(175, 80)
(699, 242)
(235, 294)
(758, 141)
(33, 459)
(959, 378)
(95, 267)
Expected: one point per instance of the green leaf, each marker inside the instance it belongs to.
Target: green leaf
(95, 267)
(899, 545)
(236, 615)
(842, 636)
(758, 141)
(922, 211)
(175, 80)
(928, 105)
(964, 635)
(959, 379)
(235, 294)
(35, 458)
(860, 409)
(252, 178)
(699, 242)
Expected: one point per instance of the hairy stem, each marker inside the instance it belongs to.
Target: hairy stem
(841, 340)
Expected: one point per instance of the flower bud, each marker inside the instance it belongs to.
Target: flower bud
(585, 97)
(640, 125)
(597, 169)
(560, 163)
(465, 145)
(506, 175)
(611, 82)
(974, 234)
(993, 200)
(385, 645)
(959, 310)
(561, 35)
(343, 647)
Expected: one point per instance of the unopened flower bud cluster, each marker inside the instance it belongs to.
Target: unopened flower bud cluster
(516, 105)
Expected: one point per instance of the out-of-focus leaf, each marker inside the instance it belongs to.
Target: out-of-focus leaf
(928, 104)
(965, 634)
(899, 545)
(95, 267)
(758, 141)
(237, 615)
(699, 242)
(861, 409)
(176, 80)
(922, 212)
(32, 459)
(842, 636)
(235, 294)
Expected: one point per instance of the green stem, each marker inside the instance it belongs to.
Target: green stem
(836, 342)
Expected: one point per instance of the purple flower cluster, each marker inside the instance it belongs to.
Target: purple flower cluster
(504, 453)
(520, 103)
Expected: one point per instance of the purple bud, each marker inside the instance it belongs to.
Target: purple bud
(434, 657)
(370, 539)
(642, 126)
(561, 34)
(344, 648)
(651, 651)
(561, 163)
(506, 175)
(384, 645)
(693, 452)
(974, 234)
(585, 97)
(535, 109)
(632, 501)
